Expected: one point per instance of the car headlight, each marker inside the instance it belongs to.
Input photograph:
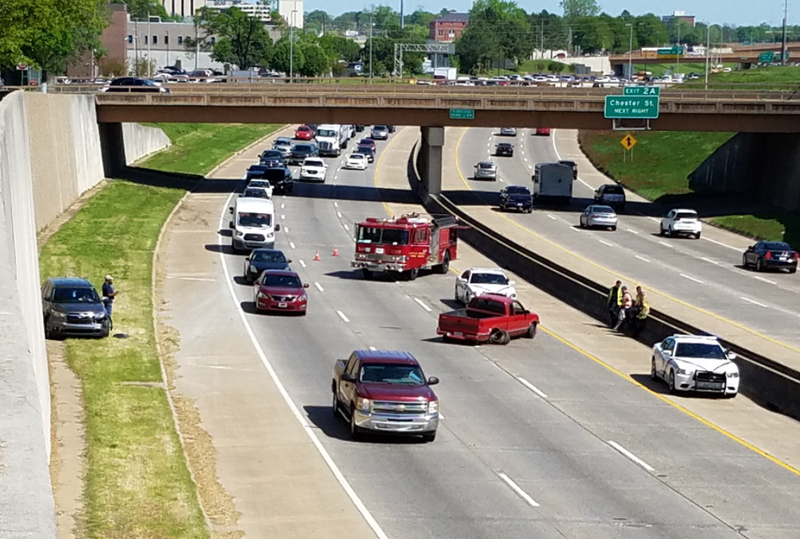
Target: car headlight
(362, 404)
(239, 233)
(253, 269)
(271, 235)
(685, 371)
(262, 295)
(433, 407)
(304, 297)
(100, 316)
(732, 374)
(58, 314)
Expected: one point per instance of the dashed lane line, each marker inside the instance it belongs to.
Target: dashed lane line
(631, 456)
(532, 387)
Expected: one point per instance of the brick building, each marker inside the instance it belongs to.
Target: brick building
(113, 39)
(448, 28)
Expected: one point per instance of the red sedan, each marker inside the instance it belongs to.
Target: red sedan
(280, 290)
(543, 131)
(304, 133)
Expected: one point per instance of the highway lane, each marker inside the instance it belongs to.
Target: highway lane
(556, 449)
(701, 273)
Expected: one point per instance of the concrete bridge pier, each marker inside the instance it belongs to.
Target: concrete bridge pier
(112, 147)
(429, 160)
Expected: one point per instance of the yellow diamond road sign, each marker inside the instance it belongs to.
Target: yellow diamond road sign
(628, 141)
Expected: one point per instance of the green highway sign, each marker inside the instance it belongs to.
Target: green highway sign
(641, 90)
(462, 114)
(766, 57)
(631, 106)
(675, 50)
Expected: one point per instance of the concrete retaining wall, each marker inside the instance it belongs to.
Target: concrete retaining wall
(50, 154)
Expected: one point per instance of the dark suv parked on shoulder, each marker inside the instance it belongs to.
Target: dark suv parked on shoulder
(72, 307)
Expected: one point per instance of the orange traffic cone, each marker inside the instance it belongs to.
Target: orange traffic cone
(335, 251)
(316, 256)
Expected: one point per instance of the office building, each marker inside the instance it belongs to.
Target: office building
(183, 8)
(448, 27)
(292, 12)
(679, 15)
(261, 12)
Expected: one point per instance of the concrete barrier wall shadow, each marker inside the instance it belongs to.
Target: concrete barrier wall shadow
(771, 384)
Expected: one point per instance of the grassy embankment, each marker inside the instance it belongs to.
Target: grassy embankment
(137, 484)
(663, 160)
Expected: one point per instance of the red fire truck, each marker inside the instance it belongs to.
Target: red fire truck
(406, 244)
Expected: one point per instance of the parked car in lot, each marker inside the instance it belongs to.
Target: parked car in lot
(516, 197)
(770, 255)
(304, 132)
(263, 259)
(485, 170)
(383, 391)
(599, 216)
(300, 152)
(379, 132)
(695, 363)
(476, 282)
(356, 161)
(367, 151)
(508, 131)
(488, 318)
(543, 131)
(135, 85)
(280, 290)
(504, 149)
(680, 222)
(72, 307)
(610, 194)
(313, 169)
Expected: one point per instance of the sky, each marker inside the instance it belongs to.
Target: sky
(735, 12)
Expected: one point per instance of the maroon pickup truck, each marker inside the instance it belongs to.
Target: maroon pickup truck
(489, 318)
(385, 391)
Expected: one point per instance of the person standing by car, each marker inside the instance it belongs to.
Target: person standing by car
(627, 303)
(109, 293)
(613, 302)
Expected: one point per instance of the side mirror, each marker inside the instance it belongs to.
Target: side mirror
(230, 210)
(305, 285)
(230, 224)
(512, 283)
(247, 259)
(277, 228)
(432, 381)
(667, 352)
(730, 355)
(289, 261)
(347, 377)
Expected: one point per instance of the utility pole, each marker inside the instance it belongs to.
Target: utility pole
(167, 43)
(783, 48)
(291, 45)
(403, 18)
(196, 44)
(136, 47)
(542, 47)
(149, 40)
(630, 53)
(370, 47)
(678, 56)
(708, 52)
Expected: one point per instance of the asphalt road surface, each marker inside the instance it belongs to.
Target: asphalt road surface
(706, 273)
(536, 440)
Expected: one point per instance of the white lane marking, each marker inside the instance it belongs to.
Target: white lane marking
(632, 231)
(722, 244)
(516, 488)
(342, 316)
(291, 244)
(421, 304)
(346, 227)
(337, 473)
(763, 279)
(335, 204)
(441, 415)
(339, 214)
(286, 229)
(283, 206)
(643, 259)
(665, 244)
(604, 242)
(709, 261)
(532, 387)
(631, 456)
(283, 217)
(302, 263)
(691, 278)
(754, 302)
(372, 348)
(194, 279)
(334, 177)
(558, 155)
(553, 217)
(575, 229)
(525, 159)
(319, 287)
(656, 219)
(502, 180)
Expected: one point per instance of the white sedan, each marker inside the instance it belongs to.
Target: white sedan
(695, 363)
(478, 281)
(313, 169)
(357, 161)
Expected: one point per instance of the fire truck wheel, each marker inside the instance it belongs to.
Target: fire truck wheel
(444, 267)
(366, 273)
(412, 274)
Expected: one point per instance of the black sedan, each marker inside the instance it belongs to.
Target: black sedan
(134, 84)
(770, 255)
(280, 178)
(270, 156)
(516, 197)
(263, 259)
(256, 171)
(366, 151)
(504, 148)
(300, 152)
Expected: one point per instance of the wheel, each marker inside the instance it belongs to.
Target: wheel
(366, 273)
(429, 436)
(744, 261)
(653, 373)
(581, 225)
(531, 333)
(671, 382)
(613, 228)
(669, 232)
(499, 336)
(661, 231)
(412, 274)
(759, 265)
(697, 236)
(355, 432)
(335, 405)
(793, 270)
(444, 267)
(455, 295)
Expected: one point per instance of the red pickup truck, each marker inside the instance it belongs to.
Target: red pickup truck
(385, 391)
(490, 317)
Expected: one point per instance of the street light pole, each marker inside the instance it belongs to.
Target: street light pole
(678, 56)
(630, 53)
(370, 47)
(291, 44)
(167, 63)
(149, 40)
(708, 52)
(783, 49)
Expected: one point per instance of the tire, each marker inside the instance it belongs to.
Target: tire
(759, 265)
(671, 383)
(613, 228)
(366, 273)
(455, 295)
(697, 236)
(429, 437)
(335, 404)
(532, 329)
(669, 232)
(499, 336)
(793, 270)
(661, 231)
(581, 225)
(412, 274)
(745, 265)
(444, 267)
(355, 432)
(653, 372)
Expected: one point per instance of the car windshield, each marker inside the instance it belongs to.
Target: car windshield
(380, 128)
(365, 150)
(283, 141)
(271, 153)
(485, 165)
(602, 209)
(255, 193)
(700, 350)
(282, 281)
(303, 128)
(255, 220)
(504, 145)
(518, 191)
(488, 278)
(313, 163)
(685, 215)
(75, 295)
(612, 190)
(303, 148)
(394, 236)
(777, 246)
(267, 256)
(326, 133)
(392, 374)
(357, 157)
(366, 142)
(257, 168)
(259, 183)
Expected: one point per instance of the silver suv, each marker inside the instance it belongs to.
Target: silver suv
(485, 170)
(72, 307)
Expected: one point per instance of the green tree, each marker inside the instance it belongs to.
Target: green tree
(549, 31)
(650, 31)
(340, 48)
(285, 59)
(315, 63)
(49, 33)
(318, 20)
(141, 9)
(501, 31)
(241, 40)
(580, 8)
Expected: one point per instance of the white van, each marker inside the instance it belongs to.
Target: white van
(253, 225)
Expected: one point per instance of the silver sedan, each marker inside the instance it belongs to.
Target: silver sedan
(599, 216)
(485, 170)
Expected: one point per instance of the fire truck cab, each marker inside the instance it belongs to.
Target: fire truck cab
(406, 244)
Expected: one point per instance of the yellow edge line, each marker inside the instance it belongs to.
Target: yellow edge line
(623, 277)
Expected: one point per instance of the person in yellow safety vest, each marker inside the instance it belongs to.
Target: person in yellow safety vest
(642, 305)
(614, 302)
(627, 303)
